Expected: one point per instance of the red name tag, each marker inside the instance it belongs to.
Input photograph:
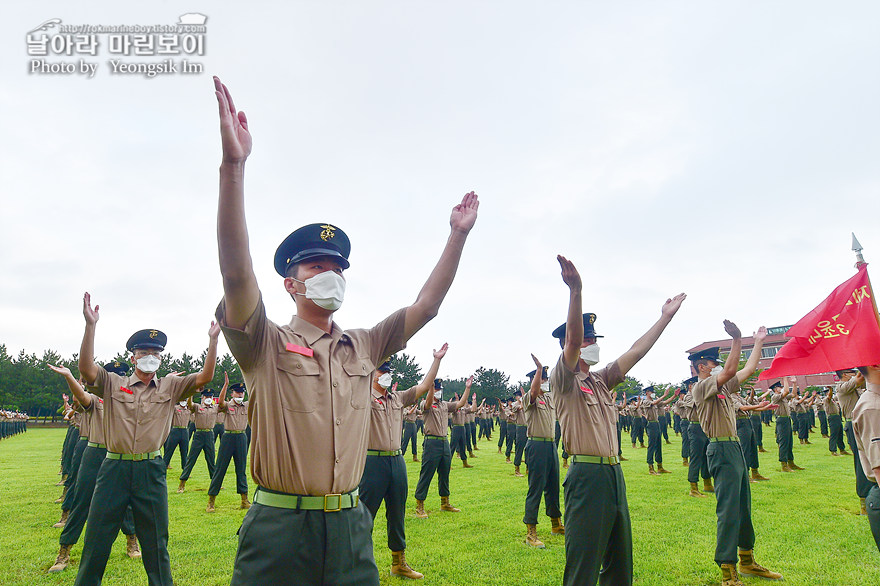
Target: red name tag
(721, 397)
(300, 350)
(586, 390)
(124, 390)
(541, 402)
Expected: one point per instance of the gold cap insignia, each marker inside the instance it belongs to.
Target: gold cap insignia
(328, 232)
(154, 333)
(592, 318)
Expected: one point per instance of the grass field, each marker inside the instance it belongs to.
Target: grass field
(807, 524)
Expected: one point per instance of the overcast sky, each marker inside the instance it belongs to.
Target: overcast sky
(726, 150)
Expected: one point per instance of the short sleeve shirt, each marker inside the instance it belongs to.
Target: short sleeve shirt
(181, 416)
(539, 414)
(205, 417)
(715, 411)
(309, 398)
(137, 416)
(236, 416)
(437, 418)
(586, 409)
(866, 427)
(386, 418)
(848, 394)
(782, 410)
(95, 414)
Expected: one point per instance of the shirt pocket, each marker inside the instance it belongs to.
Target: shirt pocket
(157, 404)
(359, 371)
(299, 381)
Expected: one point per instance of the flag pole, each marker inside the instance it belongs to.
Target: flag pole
(860, 261)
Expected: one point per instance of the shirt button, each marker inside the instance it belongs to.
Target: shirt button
(337, 460)
(298, 365)
(338, 421)
(335, 385)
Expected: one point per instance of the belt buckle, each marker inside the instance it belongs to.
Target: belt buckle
(137, 457)
(338, 502)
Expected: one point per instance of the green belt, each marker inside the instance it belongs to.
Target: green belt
(782, 417)
(211, 429)
(845, 420)
(439, 437)
(692, 421)
(329, 503)
(133, 457)
(96, 445)
(723, 439)
(234, 431)
(742, 416)
(458, 425)
(84, 437)
(541, 439)
(178, 427)
(381, 453)
(613, 460)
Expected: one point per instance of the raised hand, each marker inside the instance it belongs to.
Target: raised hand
(62, 370)
(438, 354)
(537, 363)
(464, 215)
(214, 331)
(731, 329)
(760, 334)
(234, 133)
(671, 306)
(90, 314)
(468, 383)
(570, 275)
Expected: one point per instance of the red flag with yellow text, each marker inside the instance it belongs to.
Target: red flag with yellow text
(842, 332)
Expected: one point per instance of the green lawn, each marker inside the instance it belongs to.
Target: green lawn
(806, 523)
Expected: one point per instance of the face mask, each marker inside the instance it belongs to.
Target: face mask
(385, 380)
(208, 402)
(326, 289)
(590, 354)
(545, 387)
(148, 364)
(438, 395)
(238, 400)
(716, 371)
(182, 403)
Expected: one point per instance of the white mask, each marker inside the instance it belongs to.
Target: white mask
(238, 400)
(207, 402)
(326, 289)
(438, 395)
(182, 403)
(148, 364)
(545, 387)
(385, 380)
(716, 371)
(590, 354)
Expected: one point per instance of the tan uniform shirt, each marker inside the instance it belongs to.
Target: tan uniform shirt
(459, 416)
(410, 415)
(715, 406)
(181, 416)
(236, 416)
(782, 410)
(309, 398)
(386, 418)
(586, 410)
(437, 418)
(83, 423)
(740, 401)
(221, 416)
(866, 427)
(651, 411)
(830, 405)
(137, 416)
(95, 414)
(205, 417)
(539, 415)
(848, 394)
(520, 412)
(689, 408)
(510, 415)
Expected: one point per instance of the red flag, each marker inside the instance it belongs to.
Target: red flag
(842, 332)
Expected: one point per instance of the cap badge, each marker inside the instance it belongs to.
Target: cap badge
(328, 232)
(154, 333)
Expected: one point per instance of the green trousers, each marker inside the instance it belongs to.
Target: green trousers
(286, 546)
(784, 439)
(543, 462)
(872, 503)
(863, 485)
(733, 497)
(835, 438)
(698, 465)
(598, 533)
(122, 483)
(202, 440)
(385, 479)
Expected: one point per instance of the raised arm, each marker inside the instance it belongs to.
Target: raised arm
(535, 389)
(207, 373)
(646, 342)
(222, 404)
(752, 363)
(81, 395)
(732, 362)
(462, 401)
(240, 288)
(87, 366)
(428, 382)
(427, 304)
(574, 322)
